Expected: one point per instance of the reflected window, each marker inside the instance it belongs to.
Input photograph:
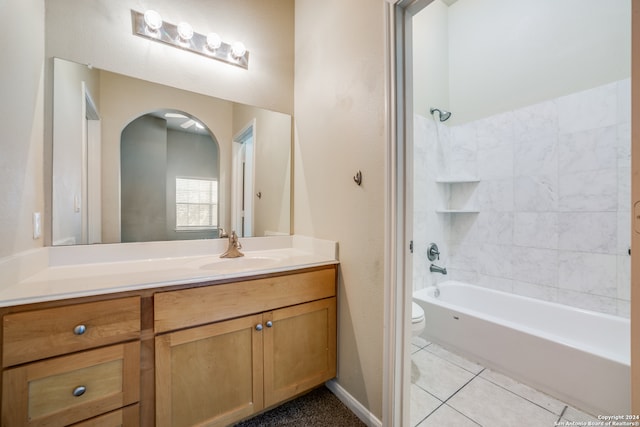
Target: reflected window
(196, 203)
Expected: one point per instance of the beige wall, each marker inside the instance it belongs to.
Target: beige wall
(21, 123)
(339, 128)
(505, 54)
(98, 32)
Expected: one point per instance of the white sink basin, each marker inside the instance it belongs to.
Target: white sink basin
(231, 265)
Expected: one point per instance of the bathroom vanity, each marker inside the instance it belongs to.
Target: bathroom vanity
(211, 349)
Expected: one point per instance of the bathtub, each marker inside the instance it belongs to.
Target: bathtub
(578, 356)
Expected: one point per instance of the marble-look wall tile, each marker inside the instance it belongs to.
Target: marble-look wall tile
(624, 145)
(495, 131)
(495, 227)
(536, 122)
(624, 308)
(495, 283)
(536, 157)
(536, 193)
(588, 273)
(461, 155)
(496, 195)
(496, 162)
(624, 100)
(464, 257)
(464, 229)
(624, 232)
(588, 302)
(533, 290)
(624, 189)
(496, 260)
(588, 191)
(461, 275)
(593, 232)
(589, 109)
(588, 150)
(624, 277)
(536, 230)
(533, 265)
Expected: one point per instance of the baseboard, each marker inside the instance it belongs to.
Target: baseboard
(356, 407)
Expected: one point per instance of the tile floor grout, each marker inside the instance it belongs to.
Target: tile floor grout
(527, 399)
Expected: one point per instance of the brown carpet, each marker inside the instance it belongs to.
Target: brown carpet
(318, 408)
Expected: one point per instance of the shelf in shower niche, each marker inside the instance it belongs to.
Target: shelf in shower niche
(457, 180)
(457, 211)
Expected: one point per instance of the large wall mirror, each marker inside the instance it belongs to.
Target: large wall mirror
(138, 161)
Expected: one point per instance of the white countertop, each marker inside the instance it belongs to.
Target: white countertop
(70, 272)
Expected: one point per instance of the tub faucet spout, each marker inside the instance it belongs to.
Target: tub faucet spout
(435, 269)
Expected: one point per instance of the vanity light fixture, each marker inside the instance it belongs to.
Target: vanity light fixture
(153, 22)
(238, 50)
(151, 26)
(213, 41)
(185, 32)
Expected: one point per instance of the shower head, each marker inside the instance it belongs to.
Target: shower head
(443, 114)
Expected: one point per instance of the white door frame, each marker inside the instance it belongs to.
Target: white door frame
(241, 152)
(91, 200)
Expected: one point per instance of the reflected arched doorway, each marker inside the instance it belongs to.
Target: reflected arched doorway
(169, 178)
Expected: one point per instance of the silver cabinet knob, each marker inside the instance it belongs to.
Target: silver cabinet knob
(259, 327)
(269, 323)
(80, 329)
(79, 391)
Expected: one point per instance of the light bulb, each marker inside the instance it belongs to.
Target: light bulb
(185, 31)
(238, 50)
(153, 20)
(213, 41)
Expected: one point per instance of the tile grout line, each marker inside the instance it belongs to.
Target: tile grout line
(562, 413)
(524, 398)
(449, 398)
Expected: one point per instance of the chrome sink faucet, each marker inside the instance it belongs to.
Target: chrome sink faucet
(233, 250)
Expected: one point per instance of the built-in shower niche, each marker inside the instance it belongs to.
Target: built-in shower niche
(459, 195)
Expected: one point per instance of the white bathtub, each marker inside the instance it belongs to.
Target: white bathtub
(578, 356)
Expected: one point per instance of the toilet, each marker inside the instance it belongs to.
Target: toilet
(417, 319)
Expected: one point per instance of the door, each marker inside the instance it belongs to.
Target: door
(243, 180)
(299, 349)
(210, 374)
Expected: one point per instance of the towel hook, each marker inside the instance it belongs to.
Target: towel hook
(358, 178)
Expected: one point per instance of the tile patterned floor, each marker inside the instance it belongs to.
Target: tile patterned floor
(449, 390)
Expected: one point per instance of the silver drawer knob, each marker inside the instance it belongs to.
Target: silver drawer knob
(259, 327)
(269, 323)
(79, 391)
(80, 329)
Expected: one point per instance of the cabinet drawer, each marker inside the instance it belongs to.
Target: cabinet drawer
(198, 306)
(39, 334)
(125, 417)
(72, 388)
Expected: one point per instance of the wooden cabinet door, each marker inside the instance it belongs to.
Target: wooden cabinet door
(209, 375)
(299, 349)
